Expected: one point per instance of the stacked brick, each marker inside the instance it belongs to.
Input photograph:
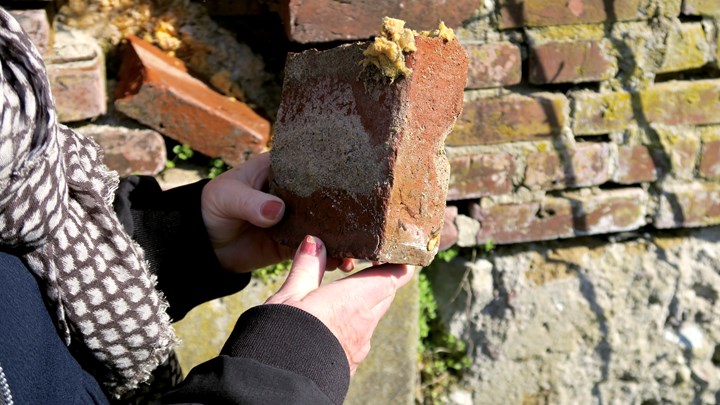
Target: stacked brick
(587, 117)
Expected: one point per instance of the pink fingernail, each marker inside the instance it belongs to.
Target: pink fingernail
(309, 246)
(271, 209)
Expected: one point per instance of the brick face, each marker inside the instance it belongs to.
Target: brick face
(535, 13)
(571, 62)
(587, 164)
(524, 222)
(710, 159)
(688, 205)
(682, 102)
(601, 113)
(609, 211)
(701, 7)
(493, 65)
(636, 164)
(687, 48)
(681, 148)
(510, 118)
(480, 175)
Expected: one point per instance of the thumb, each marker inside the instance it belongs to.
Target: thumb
(307, 270)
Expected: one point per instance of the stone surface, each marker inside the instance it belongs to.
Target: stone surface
(156, 90)
(601, 113)
(493, 65)
(129, 151)
(510, 118)
(687, 48)
(358, 160)
(682, 102)
(635, 164)
(688, 205)
(586, 164)
(330, 20)
(571, 61)
(76, 70)
(36, 24)
(480, 175)
(589, 321)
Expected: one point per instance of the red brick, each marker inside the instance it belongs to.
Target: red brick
(636, 164)
(510, 118)
(332, 20)
(535, 13)
(449, 233)
(701, 7)
(524, 222)
(688, 205)
(480, 175)
(571, 62)
(156, 90)
(710, 159)
(682, 103)
(587, 164)
(358, 160)
(493, 65)
(129, 151)
(76, 70)
(233, 8)
(37, 25)
(609, 211)
(601, 113)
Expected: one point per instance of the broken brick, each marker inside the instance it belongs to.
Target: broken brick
(156, 90)
(359, 160)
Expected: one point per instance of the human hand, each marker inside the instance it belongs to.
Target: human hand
(350, 307)
(236, 214)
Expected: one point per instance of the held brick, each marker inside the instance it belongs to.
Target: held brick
(510, 118)
(537, 13)
(687, 48)
(156, 90)
(609, 211)
(601, 113)
(37, 25)
(587, 164)
(688, 205)
(480, 175)
(682, 102)
(571, 62)
(76, 71)
(330, 20)
(129, 151)
(493, 65)
(701, 7)
(636, 164)
(524, 222)
(360, 161)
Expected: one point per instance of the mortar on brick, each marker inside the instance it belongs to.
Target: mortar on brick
(687, 48)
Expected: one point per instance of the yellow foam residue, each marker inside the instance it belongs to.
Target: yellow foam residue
(387, 52)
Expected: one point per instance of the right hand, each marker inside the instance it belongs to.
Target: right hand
(350, 307)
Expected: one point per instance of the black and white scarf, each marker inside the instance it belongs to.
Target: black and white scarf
(56, 215)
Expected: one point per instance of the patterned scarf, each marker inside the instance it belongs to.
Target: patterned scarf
(56, 215)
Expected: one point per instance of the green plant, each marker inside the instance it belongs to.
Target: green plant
(217, 167)
(267, 274)
(182, 152)
(442, 357)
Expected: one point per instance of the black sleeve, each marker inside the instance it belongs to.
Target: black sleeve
(168, 226)
(277, 354)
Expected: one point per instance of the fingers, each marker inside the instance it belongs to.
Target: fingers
(307, 269)
(375, 284)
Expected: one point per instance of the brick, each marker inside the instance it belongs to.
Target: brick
(449, 234)
(609, 211)
(636, 164)
(129, 151)
(687, 48)
(701, 7)
(688, 205)
(682, 103)
(681, 148)
(524, 222)
(601, 113)
(480, 175)
(233, 8)
(536, 13)
(710, 155)
(587, 164)
(510, 118)
(493, 65)
(359, 160)
(37, 25)
(330, 20)
(76, 71)
(571, 62)
(156, 90)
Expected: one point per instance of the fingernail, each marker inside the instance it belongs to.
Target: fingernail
(309, 246)
(271, 210)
